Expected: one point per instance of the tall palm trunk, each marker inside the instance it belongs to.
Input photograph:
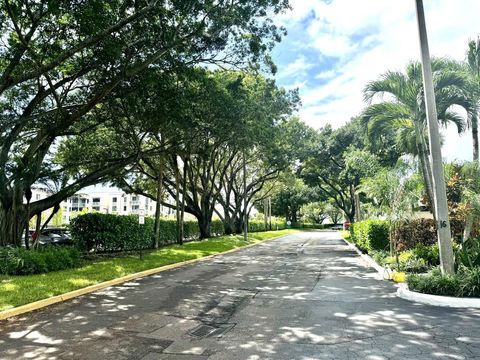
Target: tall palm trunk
(425, 166)
(474, 121)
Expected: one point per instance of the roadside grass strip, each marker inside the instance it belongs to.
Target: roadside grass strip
(20, 290)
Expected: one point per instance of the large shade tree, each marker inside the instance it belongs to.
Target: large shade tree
(60, 60)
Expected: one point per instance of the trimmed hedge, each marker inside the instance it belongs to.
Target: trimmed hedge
(370, 235)
(108, 233)
(313, 226)
(19, 261)
(259, 225)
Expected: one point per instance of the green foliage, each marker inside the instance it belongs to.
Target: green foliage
(292, 196)
(465, 283)
(257, 225)
(468, 254)
(19, 261)
(216, 228)
(430, 254)
(107, 232)
(407, 261)
(20, 290)
(370, 234)
(408, 233)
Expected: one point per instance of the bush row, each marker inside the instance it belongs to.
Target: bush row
(108, 232)
(464, 283)
(370, 235)
(19, 261)
(313, 226)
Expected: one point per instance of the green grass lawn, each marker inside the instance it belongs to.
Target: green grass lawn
(20, 290)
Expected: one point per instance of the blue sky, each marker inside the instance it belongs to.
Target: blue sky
(334, 47)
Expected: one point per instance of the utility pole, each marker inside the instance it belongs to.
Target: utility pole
(439, 189)
(245, 216)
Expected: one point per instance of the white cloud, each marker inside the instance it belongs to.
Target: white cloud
(368, 38)
(298, 68)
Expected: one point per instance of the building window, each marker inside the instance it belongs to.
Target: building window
(135, 207)
(114, 199)
(37, 196)
(96, 208)
(125, 208)
(114, 208)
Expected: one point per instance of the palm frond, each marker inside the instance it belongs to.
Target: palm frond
(391, 82)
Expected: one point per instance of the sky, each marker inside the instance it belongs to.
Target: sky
(335, 47)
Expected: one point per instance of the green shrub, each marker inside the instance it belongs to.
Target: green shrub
(216, 228)
(370, 235)
(313, 226)
(107, 232)
(19, 261)
(468, 254)
(465, 283)
(408, 233)
(430, 254)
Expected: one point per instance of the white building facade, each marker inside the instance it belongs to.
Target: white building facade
(105, 200)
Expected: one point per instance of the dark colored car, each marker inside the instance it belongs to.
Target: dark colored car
(57, 236)
(51, 236)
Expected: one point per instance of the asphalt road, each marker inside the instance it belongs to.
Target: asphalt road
(304, 296)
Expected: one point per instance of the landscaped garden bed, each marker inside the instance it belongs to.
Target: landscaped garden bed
(419, 257)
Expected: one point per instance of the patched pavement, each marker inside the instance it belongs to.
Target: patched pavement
(304, 296)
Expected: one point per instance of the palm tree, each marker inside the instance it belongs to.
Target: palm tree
(473, 89)
(402, 110)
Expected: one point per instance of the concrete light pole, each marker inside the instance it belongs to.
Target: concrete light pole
(439, 189)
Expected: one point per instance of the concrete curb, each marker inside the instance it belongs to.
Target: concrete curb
(367, 259)
(437, 300)
(5, 314)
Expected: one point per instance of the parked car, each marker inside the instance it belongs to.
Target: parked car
(58, 236)
(50, 236)
(337, 227)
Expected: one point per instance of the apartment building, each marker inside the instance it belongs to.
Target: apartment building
(104, 200)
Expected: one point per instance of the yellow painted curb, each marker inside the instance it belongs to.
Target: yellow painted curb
(5, 314)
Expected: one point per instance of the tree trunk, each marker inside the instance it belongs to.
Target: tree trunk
(12, 218)
(425, 167)
(38, 229)
(228, 225)
(204, 226)
(157, 209)
(468, 227)
(10, 227)
(182, 211)
(177, 202)
(475, 137)
(55, 210)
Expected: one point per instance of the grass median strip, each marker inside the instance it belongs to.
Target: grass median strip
(20, 290)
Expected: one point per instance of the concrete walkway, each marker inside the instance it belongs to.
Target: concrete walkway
(279, 300)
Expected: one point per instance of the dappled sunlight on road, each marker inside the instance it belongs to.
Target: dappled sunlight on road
(266, 302)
